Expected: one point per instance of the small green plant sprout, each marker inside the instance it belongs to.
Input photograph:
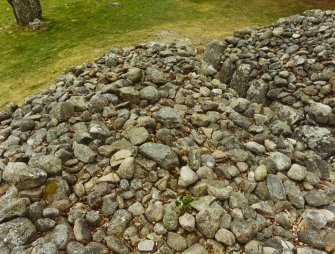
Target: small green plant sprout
(183, 203)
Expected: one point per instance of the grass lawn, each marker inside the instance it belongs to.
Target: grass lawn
(80, 30)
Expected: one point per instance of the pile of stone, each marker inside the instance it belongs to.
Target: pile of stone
(159, 148)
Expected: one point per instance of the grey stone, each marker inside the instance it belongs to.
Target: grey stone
(95, 248)
(275, 187)
(155, 76)
(294, 194)
(23, 176)
(45, 248)
(207, 222)
(45, 224)
(150, 93)
(37, 138)
(81, 231)
(187, 177)
(312, 238)
(146, 245)
(253, 247)
(60, 235)
(116, 245)
(155, 211)
(134, 74)
(136, 209)
(162, 154)
(257, 92)
(17, 232)
(225, 236)
(213, 53)
(243, 230)
(99, 130)
(317, 138)
(170, 117)
(51, 164)
(119, 222)
(75, 248)
(84, 153)
(260, 173)
(297, 172)
(130, 94)
(127, 168)
(281, 161)
(240, 79)
(316, 198)
(255, 147)
(320, 112)
(14, 208)
(170, 220)
(27, 124)
(196, 249)
(51, 212)
(187, 222)
(176, 241)
(56, 189)
(200, 120)
(62, 111)
(137, 135)
(92, 218)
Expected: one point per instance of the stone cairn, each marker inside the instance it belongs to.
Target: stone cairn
(161, 148)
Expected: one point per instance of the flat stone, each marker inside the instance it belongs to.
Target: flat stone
(312, 238)
(316, 198)
(45, 248)
(146, 245)
(162, 154)
(275, 187)
(116, 245)
(136, 209)
(196, 249)
(137, 135)
(202, 202)
(62, 111)
(170, 117)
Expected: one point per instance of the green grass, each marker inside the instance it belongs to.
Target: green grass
(79, 30)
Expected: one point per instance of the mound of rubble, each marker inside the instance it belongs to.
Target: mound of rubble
(161, 148)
